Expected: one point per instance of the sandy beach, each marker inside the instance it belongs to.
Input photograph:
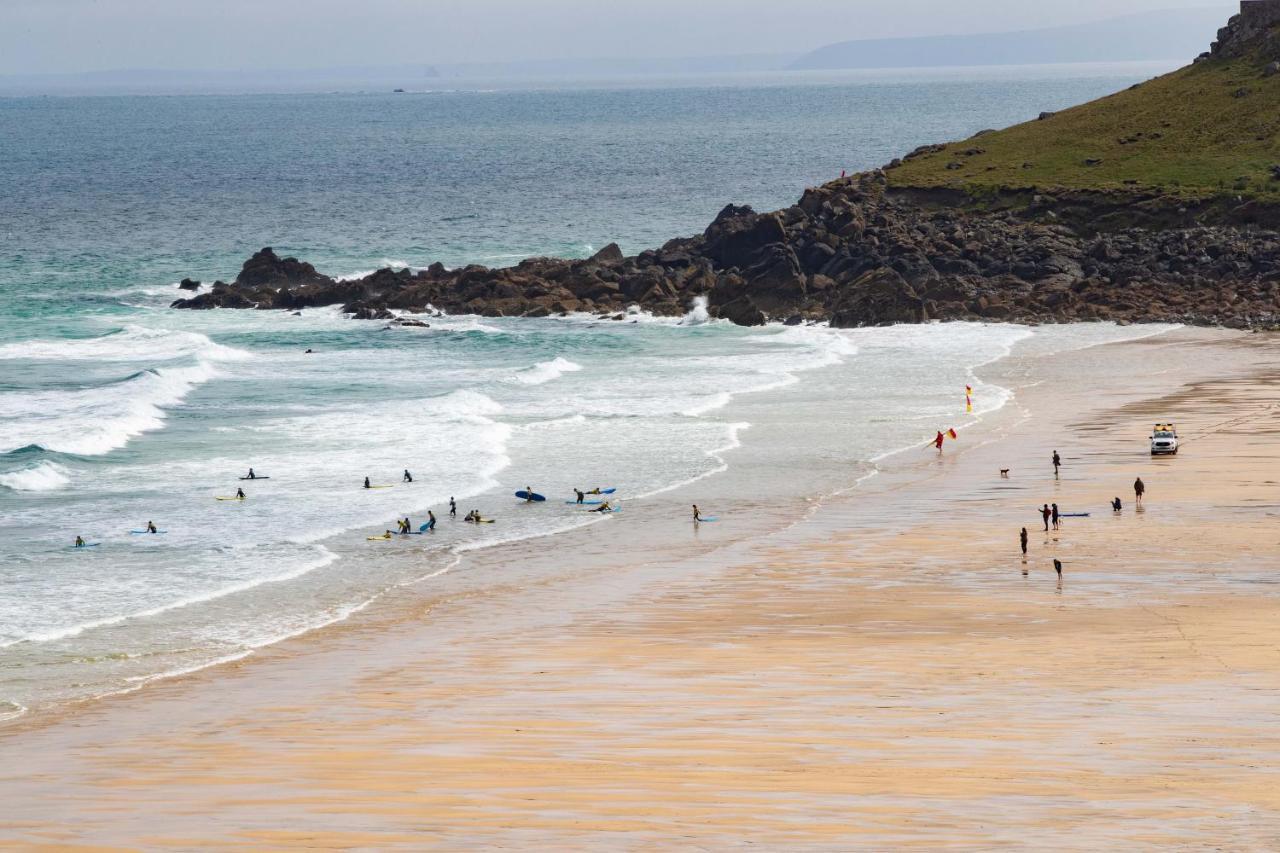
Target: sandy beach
(885, 673)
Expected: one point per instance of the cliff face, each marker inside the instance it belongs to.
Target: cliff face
(1251, 30)
(1160, 203)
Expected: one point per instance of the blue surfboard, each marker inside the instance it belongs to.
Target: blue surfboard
(709, 519)
(430, 525)
(535, 497)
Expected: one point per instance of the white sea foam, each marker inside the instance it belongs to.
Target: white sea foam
(546, 371)
(131, 344)
(698, 314)
(44, 477)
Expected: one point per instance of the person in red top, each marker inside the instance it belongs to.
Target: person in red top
(937, 442)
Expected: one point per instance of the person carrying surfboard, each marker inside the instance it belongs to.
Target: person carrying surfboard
(697, 514)
(431, 520)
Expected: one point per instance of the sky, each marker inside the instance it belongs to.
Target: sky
(61, 36)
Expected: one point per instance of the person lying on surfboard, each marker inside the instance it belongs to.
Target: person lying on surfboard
(604, 507)
(596, 491)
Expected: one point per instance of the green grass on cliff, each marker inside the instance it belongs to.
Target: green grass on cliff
(1193, 132)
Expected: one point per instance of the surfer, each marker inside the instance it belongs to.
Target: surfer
(528, 494)
(453, 508)
(595, 491)
(431, 520)
(697, 514)
(1045, 513)
(1057, 518)
(408, 478)
(1057, 463)
(252, 476)
(1139, 489)
(80, 543)
(151, 527)
(582, 496)
(408, 525)
(367, 484)
(604, 507)
(240, 495)
(1023, 538)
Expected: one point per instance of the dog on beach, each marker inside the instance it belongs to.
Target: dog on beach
(1004, 473)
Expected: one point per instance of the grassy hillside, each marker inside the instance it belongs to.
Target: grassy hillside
(1209, 129)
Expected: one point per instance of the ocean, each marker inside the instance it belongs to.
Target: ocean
(116, 411)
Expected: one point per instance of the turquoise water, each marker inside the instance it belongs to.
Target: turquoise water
(117, 411)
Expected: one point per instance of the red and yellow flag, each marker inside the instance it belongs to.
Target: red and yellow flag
(952, 433)
(968, 399)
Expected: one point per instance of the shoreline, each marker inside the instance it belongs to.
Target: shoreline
(382, 659)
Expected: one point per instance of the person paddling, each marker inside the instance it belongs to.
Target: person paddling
(604, 507)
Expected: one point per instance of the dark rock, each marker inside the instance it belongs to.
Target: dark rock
(1044, 116)
(610, 255)
(188, 284)
(741, 311)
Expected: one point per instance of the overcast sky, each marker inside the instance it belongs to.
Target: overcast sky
(38, 36)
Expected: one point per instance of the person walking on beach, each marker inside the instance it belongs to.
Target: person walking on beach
(1057, 519)
(1139, 489)
(1046, 513)
(1057, 463)
(453, 508)
(1023, 537)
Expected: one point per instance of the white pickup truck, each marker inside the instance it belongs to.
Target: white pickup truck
(1164, 440)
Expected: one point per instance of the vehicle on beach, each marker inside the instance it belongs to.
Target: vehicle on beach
(1164, 440)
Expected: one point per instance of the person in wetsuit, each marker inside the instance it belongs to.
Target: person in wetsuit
(697, 514)
(240, 494)
(604, 507)
(453, 508)
(367, 484)
(252, 476)
(408, 478)
(431, 520)
(151, 527)
(80, 543)
(582, 496)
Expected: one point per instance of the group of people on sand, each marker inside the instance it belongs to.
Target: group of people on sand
(1052, 516)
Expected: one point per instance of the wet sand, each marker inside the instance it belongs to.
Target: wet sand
(888, 673)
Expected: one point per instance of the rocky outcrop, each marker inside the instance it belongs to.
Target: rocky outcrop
(856, 253)
(1255, 29)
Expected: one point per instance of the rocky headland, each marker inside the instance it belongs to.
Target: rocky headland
(925, 238)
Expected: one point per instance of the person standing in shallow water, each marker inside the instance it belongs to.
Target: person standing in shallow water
(1057, 518)
(1023, 538)
(1057, 567)
(1057, 463)
(1139, 489)
(1045, 513)
(453, 508)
